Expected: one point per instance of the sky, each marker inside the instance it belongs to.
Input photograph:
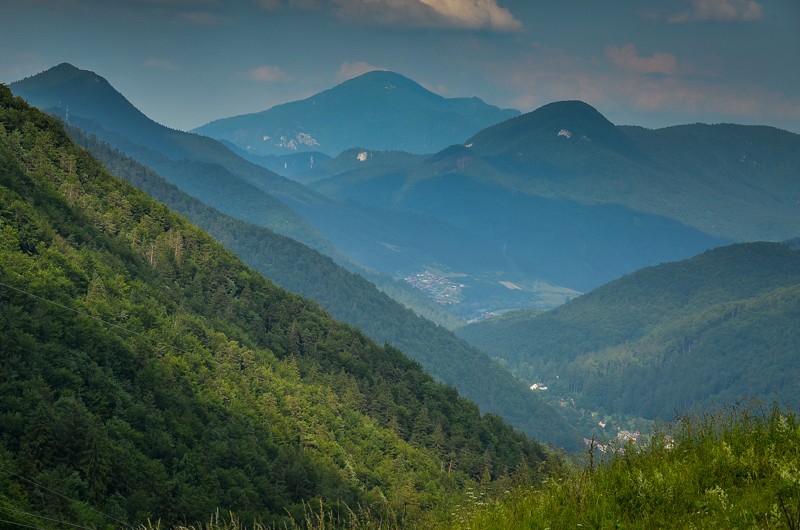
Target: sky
(652, 63)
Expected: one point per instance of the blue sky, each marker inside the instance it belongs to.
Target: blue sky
(645, 62)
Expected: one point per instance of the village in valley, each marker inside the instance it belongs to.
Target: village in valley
(439, 287)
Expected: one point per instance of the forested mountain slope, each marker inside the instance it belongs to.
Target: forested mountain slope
(147, 373)
(351, 298)
(711, 329)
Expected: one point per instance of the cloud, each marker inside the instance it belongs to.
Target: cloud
(456, 14)
(349, 70)
(544, 74)
(159, 64)
(627, 58)
(719, 10)
(475, 14)
(268, 74)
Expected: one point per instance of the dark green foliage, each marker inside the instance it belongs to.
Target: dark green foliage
(711, 329)
(145, 372)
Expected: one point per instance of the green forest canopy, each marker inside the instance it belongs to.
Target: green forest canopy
(147, 373)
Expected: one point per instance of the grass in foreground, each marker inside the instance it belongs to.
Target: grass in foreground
(733, 469)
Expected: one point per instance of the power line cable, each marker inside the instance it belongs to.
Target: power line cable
(22, 525)
(79, 312)
(109, 517)
(7, 509)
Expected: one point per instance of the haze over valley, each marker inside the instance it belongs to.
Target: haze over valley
(340, 292)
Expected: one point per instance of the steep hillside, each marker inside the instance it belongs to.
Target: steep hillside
(351, 298)
(149, 374)
(711, 329)
(377, 110)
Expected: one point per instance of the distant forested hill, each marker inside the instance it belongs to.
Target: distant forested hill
(146, 373)
(351, 298)
(732, 181)
(720, 326)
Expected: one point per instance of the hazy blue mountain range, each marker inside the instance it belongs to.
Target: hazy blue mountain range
(378, 110)
(707, 330)
(389, 242)
(567, 196)
(351, 298)
(200, 166)
(732, 181)
(524, 214)
(149, 375)
(562, 241)
(287, 165)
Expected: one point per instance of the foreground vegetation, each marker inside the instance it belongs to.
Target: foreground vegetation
(736, 469)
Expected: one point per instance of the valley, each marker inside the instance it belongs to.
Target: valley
(351, 318)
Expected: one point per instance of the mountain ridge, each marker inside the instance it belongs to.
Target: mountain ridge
(385, 110)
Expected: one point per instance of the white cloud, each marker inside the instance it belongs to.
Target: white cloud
(631, 97)
(627, 58)
(457, 14)
(349, 70)
(159, 64)
(719, 10)
(268, 74)
(475, 14)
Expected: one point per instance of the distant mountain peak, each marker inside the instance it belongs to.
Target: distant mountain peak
(74, 93)
(57, 75)
(573, 115)
(385, 79)
(380, 110)
(558, 123)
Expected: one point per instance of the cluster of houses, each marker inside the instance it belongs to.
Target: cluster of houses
(443, 290)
